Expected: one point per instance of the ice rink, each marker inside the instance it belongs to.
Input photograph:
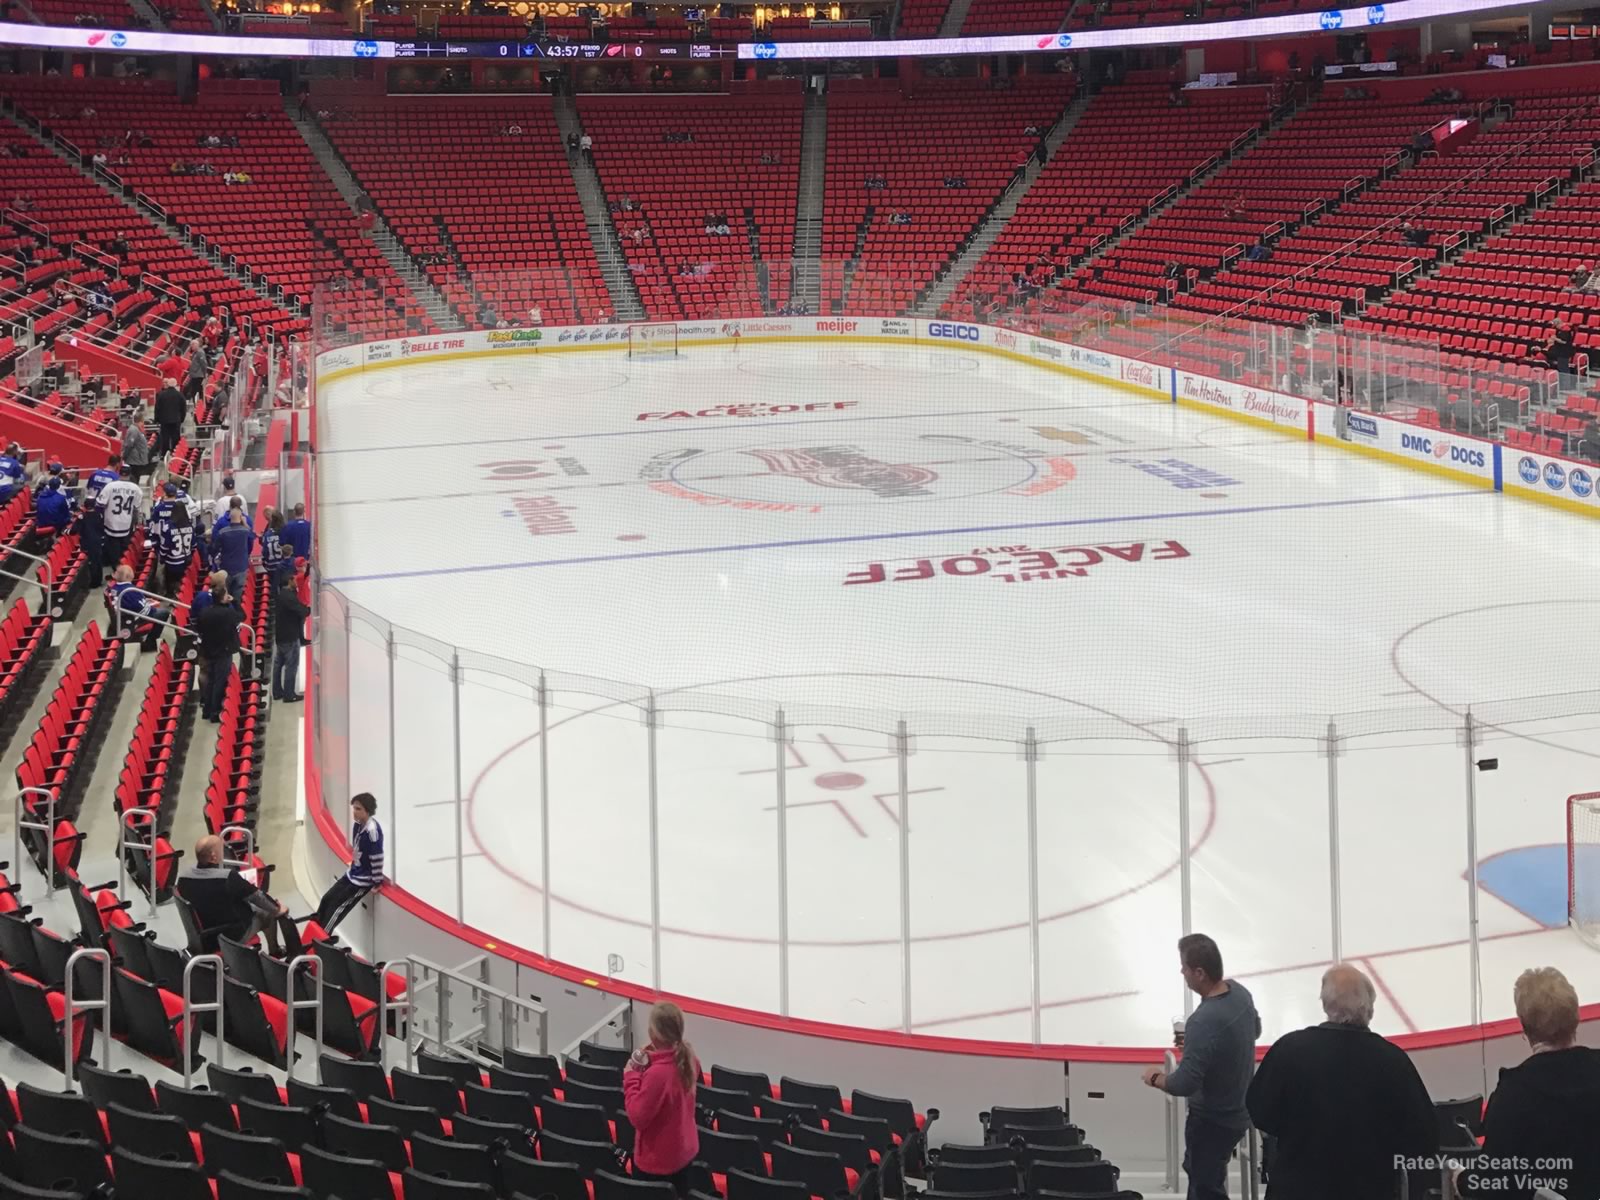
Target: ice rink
(867, 535)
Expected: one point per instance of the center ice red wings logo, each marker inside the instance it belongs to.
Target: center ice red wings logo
(844, 467)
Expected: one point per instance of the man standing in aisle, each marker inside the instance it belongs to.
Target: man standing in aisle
(118, 506)
(289, 627)
(171, 411)
(1345, 1104)
(366, 864)
(230, 550)
(297, 534)
(218, 629)
(1219, 1044)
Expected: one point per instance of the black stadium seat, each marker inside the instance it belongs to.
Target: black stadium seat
(142, 1178)
(357, 1139)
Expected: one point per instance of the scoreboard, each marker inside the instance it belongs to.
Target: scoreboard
(646, 51)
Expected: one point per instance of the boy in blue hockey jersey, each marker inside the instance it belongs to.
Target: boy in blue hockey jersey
(52, 514)
(12, 472)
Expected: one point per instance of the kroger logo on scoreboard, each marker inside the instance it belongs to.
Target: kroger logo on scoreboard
(1332, 19)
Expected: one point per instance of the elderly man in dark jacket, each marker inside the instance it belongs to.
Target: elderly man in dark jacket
(1342, 1102)
(171, 410)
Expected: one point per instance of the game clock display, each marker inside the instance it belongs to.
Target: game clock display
(650, 51)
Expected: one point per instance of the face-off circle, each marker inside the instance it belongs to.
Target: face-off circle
(814, 473)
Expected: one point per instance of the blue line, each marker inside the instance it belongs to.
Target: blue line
(1499, 479)
(914, 533)
(732, 423)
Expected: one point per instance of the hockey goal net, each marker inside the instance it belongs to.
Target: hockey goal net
(1583, 866)
(653, 341)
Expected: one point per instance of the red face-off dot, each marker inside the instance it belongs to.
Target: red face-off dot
(839, 781)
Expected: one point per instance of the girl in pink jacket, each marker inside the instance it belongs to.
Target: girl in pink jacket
(658, 1092)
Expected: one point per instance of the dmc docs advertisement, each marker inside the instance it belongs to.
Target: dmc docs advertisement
(1553, 478)
(1453, 452)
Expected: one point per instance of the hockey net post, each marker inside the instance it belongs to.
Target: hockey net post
(648, 340)
(1583, 866)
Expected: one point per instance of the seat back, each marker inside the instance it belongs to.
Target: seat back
(140, 1175)
(357, 1139)
(157, 1135)
(293, 1126)
(194, 1107)
(328, 1174)
(524, 1175)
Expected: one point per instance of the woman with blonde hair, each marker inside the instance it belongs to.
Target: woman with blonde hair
(658, 1092)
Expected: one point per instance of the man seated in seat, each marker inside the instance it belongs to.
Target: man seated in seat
(133, 611)
(225, 903)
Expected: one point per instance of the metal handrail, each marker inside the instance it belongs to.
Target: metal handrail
(313, 966)
(48, 829)
(570, 1050)
(513, 1009)
(76, 1006)
(125, 844)
(50, 571)
(387, 1006)
(249, 844)
(191, 1010)
(1169, 1064)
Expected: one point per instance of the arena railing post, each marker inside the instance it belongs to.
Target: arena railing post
(455, 727)
(394, 775)
(902, 750)
(1468, 739)
(1331, 751)
(1030, 757)
(544, 807)
(651, 720)
(1182, 750)
(780, 738)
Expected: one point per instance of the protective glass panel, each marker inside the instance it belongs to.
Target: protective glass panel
(500, 781)
(425, 770)
(1523, 863)
(371, 768)
(1403, 854)
(968, 807)
(600, 830)
(1260, 877)
(331, 664)
(844, 878)
(717, 797)
(1109, 902)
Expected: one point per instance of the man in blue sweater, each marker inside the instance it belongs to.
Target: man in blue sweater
(230, 551)
(1219, 1051)
(297, 534)
(366, 864)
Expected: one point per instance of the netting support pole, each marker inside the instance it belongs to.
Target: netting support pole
(544, 807)
(902, 749)
(1185, 854)
(780, 737)
(1030, 757)
(651, 720)
(1469, 740)
(393, 860)
(1330, 749)
(455, 728)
